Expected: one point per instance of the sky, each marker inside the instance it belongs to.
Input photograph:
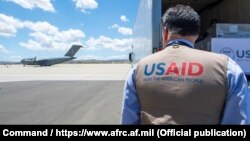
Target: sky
(48, 28)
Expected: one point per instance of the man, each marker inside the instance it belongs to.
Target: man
(182, 85)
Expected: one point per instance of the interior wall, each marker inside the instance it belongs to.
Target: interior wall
(228, 11)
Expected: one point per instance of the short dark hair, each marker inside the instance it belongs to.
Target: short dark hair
(182, 20)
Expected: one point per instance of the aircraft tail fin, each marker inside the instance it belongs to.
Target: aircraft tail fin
(73, 50)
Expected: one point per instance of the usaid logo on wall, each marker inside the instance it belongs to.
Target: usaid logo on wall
(240, 54)
(227, 51)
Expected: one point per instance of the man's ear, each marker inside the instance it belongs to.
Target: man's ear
(196, 37)
(165, 34)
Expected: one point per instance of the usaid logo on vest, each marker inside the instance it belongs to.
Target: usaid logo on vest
(188, 72)
(192, 69)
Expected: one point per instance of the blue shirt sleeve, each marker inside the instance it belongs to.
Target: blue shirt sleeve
(130, 106)
(237, 107)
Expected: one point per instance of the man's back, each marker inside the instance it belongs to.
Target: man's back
(177, 87)
(181, 85)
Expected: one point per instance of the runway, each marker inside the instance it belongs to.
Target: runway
(60, 102)
(62, 94)
(64, 72)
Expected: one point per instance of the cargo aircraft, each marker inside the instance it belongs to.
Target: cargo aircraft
(52, 61)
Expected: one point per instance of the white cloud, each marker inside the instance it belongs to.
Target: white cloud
(83, 5)
(3, 50)
(90, 57)
(124, 18)
(6, 30)
(9, 25)
(95, 57)
(12, 58)
(32, 45)
(10, 20)
(60, 40)
(114, 26)
(117, 57)
(15, 58)
(107, 43)
(45, 5)
(125, 31)
(122, 30)
(43, 27)
(71, 35)
(44, 36)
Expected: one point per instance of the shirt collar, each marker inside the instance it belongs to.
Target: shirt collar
(181, 40)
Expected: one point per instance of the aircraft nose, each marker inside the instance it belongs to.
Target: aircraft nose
(22, 61)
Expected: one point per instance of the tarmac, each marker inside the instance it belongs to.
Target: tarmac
(62, 94)
(81, 94)
(64, 72)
